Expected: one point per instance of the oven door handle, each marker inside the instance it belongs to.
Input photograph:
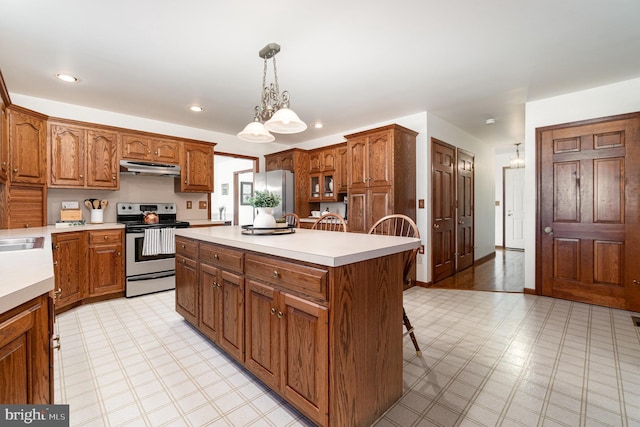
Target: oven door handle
(151, 276)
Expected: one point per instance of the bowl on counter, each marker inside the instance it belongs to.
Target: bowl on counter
(315, 214)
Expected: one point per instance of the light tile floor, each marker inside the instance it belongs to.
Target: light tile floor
(490, 359)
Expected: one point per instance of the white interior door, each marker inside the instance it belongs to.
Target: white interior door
(514, 208)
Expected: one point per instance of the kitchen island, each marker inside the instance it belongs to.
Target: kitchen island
(315, 315)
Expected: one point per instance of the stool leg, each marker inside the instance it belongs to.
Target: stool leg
(407, 325)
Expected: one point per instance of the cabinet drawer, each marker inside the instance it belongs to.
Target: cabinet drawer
(308, 280)
(105, 236)
(191, 263)
(186, 247)
(219, 256)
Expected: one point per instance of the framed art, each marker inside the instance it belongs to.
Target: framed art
(225, 189)
(246, 190)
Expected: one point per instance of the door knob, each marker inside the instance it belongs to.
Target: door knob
(636, 282)
(436, 226)
(548, 230)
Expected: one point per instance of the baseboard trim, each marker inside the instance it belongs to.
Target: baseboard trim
(529, 291)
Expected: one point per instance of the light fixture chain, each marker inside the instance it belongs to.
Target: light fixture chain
(275, 76)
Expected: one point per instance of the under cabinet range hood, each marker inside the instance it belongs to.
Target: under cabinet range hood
(137, 167)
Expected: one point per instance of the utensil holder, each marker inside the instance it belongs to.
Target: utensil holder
(97, 216)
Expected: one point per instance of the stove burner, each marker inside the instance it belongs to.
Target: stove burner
(132, 216)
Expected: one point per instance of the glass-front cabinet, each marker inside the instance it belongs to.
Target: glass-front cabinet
(322, 187)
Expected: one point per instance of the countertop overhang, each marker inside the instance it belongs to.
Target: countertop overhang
(328, 248)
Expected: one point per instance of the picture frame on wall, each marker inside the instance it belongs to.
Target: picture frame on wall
(224, 189)
(246, 190)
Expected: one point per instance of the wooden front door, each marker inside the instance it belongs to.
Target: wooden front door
(464, 230)
(442, 210)
(589, 211)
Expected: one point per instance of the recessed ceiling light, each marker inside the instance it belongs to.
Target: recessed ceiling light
(489, 121)
(196, 108)
(67, 78)
(318, 125)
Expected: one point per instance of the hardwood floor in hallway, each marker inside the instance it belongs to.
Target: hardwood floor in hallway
(504, 273)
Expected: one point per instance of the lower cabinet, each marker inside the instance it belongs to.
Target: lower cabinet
(25, 354)
(87, 264)
(287, 347)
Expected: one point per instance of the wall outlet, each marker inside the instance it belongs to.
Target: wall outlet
(421, 250)
(189, 204)
(203, 204)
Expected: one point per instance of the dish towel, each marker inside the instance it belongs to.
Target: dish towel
(168, 241)
(151, 243)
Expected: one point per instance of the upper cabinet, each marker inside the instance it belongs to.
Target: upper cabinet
(196, 175)
(27, 149)
(322, 160)
(283, 160)
(81, 156)
(4, 142)
(325, 172)
(147, 148)
(382, 175)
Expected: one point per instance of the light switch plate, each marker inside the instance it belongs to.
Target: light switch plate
(70, 205)
(189, 204)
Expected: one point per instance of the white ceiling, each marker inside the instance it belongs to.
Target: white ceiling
(347, 64)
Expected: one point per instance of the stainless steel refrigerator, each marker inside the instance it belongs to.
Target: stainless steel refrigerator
(278, 182)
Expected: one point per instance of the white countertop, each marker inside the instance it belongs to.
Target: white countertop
(27, 274)
(329, 248)
(204, 222)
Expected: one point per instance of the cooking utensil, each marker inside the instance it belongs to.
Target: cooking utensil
(103, 204)
(87, 203)
(96, 203)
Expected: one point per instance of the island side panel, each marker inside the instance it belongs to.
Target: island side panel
(365, 335)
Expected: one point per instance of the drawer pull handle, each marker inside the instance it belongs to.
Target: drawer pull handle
(106, 237)
(276, 274)
(280, 314)
(273, 311)
(55, 262)
(119, 253)
(216, 257)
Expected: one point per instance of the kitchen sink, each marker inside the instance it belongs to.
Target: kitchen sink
(21, 243)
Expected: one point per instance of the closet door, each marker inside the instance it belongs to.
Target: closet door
(443, 215)
(464, 227)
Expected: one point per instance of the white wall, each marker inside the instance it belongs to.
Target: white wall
(618, 98)
(224, 168)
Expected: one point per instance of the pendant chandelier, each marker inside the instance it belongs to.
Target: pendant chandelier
(516, 162)
(273, 113)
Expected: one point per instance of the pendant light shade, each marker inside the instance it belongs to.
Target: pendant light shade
(273, 110)
(285, 121)
(256, 132)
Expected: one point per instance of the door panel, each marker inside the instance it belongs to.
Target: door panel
(443, 214)
(262, 334)
(514, 208)
(232, 315)
(589, 213)
(464, 232)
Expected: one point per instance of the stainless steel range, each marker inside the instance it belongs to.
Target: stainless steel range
(150, 259)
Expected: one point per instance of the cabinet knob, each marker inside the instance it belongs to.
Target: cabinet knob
(186, 182)
(15, 171)
(148, 151)
(155, 153)
(113, 177)
(273, 311)
(57, 293)
(636, 282)
(184, 261)
(119, 253)
(216, 256)
(4, 163)
(106, 237)
(55, 262)
(27, 226)
(214, 284)
(81, 176)
(280, 314)
(276, 274)
(56, 247)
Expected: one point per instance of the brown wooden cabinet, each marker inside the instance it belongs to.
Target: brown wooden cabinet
(282, 160)
(341, 177)
(105, 262)
(26, 205)
(322, 159)
(187, 279)
(27, 146)
(148, 148)
(81, 156)
(69, 267)
(221, 315)
(196, 175)
(4, 142)
(382, 175)
(25, 353)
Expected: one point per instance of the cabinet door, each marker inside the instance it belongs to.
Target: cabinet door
(357, 211)
(232, 319)
(380, 158)
(24, 354)
(136, 147)
(166, 151)
(102, 159)
(315, 162)
(67, 156)
(358, 160)
(210, 302)
(27, 136)
(197, 171)
(341, 182)
(380, 204)
(69, 260)
(106, 269)
(262, 333)
(4, 143)
(305, 356)
(286, 162)
(26, 206)
(272, 162)
(187, 289)
(329, 159)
